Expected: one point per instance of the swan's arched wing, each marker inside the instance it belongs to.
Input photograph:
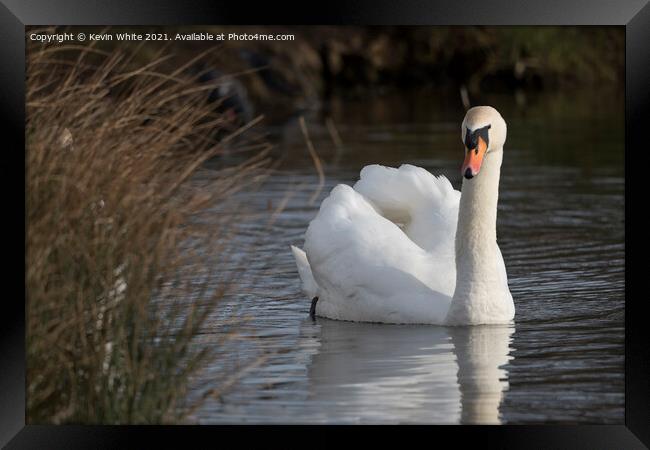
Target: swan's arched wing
(368, 270)
(424, 205)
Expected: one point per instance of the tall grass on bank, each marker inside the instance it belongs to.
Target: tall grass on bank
(112, 316)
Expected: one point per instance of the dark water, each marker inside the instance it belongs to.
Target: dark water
(561, 232)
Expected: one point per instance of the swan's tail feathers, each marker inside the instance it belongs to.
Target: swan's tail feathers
(309, 286)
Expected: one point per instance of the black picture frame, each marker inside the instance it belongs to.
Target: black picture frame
(634, 15)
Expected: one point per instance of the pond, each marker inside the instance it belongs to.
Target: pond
(561, 232)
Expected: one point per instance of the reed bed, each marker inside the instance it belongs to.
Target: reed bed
(115, 178)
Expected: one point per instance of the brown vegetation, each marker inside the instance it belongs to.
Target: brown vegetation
(112, 160)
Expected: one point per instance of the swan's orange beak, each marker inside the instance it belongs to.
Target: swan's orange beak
(474, 159)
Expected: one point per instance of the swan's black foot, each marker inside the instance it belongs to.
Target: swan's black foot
(312, 310)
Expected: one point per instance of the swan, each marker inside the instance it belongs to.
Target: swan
(403, 246)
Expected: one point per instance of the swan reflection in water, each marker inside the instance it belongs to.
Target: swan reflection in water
(366, 372)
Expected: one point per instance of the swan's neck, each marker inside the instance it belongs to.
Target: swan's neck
(478, 279)
(477, 213)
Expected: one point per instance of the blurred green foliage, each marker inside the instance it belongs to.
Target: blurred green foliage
(281, 77)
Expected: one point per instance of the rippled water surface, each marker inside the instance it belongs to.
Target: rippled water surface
(561, 232)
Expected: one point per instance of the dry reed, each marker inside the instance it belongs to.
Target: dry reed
(115, 180)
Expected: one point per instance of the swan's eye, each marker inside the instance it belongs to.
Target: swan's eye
(471, 137)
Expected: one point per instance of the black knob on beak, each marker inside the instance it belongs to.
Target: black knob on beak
(468, 173)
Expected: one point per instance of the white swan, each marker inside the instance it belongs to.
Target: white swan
(403, 246)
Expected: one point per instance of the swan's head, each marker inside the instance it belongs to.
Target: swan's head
(483, 132)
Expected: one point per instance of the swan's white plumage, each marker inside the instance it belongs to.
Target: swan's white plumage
(387, 250)
(365, 266)
(425, 204)
(309, 286)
